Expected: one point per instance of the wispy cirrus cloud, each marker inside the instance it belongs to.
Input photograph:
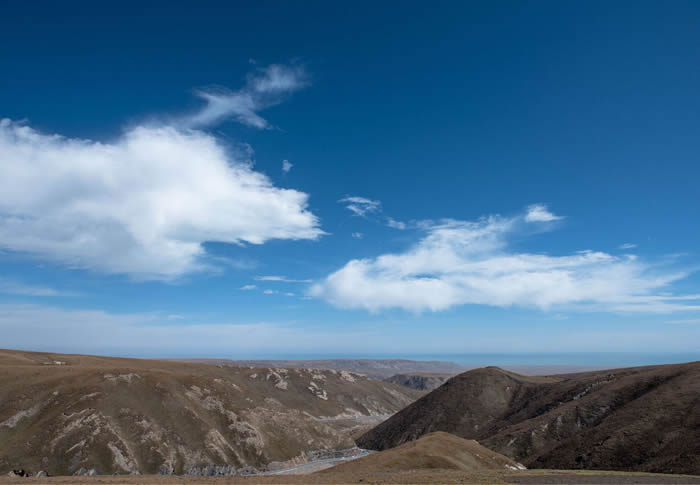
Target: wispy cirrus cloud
(266, 87)
(393, 223)
(363, 207)
(145, 203)
(12, 287)
(282, 279)
(472, 263)
(627, 246)
(360, 206)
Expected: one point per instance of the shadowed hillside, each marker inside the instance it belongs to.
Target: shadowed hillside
(421, 382)
(643, 419)
(65, 412)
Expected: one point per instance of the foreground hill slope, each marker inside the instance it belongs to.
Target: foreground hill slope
(61, 413)
(437, 450)
(640, 419)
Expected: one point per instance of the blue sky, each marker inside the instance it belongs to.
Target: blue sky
(269, 178)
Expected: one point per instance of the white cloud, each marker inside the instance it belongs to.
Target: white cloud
(460, 263)
(142, 205)
(627, 246)
(357, 235)
(286, 166)
(11, 287)
(289, 293)
(282, 279)
(393, 223)
(360, 206)
(540, 213)
(247, 287)
(241, 264)
(266, 87)
(270, 292)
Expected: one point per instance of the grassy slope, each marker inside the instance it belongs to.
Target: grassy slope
(433, 451)
(120, 415)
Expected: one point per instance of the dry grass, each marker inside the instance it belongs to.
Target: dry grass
(406, 477)
(634, 419)
(433, 451)
(119, 415)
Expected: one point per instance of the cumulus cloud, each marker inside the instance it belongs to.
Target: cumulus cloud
(540, 213)
(360, 206)
(142, 204)
(462, 262)
(357, 235)
(286, 166)
(270, 292)
(266, 87)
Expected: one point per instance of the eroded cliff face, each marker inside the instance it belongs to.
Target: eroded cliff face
(140, 416)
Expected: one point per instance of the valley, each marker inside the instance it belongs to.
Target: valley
(90, 419)
(66, 413)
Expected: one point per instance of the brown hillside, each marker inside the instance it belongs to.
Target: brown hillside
(641, 419)
(438, 450)
(419, 381)
(64, 412)
(376, 368)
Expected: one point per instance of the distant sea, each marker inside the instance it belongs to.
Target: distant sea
(598, 359)
(585, 359)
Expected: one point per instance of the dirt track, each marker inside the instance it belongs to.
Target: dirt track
(414, 477)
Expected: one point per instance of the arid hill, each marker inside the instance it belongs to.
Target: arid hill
(376, 368)
(420, 382)
(640, 419)
(437, 450)
(61, 413)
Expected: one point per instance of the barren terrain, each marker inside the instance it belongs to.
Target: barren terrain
(375, 368)
(64, 413)
(633, 419)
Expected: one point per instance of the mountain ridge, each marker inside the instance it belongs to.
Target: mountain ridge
(62, 412)
(638, 419)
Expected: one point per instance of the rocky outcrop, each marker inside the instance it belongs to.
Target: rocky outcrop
(85, 472)
(21, 472)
